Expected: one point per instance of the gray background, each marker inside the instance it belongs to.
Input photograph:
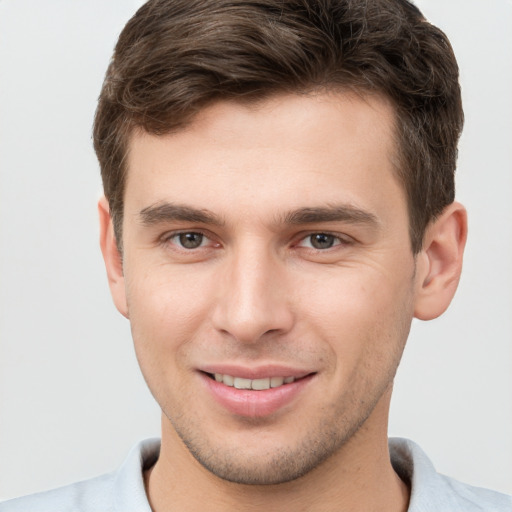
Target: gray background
(72, 400)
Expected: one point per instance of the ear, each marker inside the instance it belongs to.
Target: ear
(112, 257)
(439, 264)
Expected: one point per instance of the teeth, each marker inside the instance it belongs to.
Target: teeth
(275, 382)
(255, 384)
(260, 384)
(242, 383)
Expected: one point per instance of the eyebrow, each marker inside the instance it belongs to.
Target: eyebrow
(168, 212)
(333, 213)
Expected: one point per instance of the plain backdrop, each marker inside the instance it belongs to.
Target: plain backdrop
(72, 401)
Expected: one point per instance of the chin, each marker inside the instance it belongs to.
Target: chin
(252, 464)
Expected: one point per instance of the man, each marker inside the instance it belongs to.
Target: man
(279, 204)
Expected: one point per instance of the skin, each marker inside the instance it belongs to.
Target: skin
(259, 292)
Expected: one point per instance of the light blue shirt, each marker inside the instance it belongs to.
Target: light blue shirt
(123, 490)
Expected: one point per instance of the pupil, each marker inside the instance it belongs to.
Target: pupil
(322, 241)
(191, 240)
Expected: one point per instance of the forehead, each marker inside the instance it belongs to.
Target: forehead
(286, 152)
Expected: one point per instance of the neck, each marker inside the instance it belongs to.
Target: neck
(359, 477)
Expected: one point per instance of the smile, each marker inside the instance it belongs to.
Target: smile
(256, 397)
(254, 384)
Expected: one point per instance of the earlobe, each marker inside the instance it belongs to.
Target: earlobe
(112, 257)
(439, 263)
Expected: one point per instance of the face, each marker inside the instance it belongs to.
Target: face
(269, 280)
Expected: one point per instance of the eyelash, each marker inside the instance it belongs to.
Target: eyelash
(168, 237)
(338, 240)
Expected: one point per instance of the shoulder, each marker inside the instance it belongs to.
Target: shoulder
(89, 495)
(120, 491)
(431, 491)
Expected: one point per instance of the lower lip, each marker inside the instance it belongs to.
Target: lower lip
(255, 404)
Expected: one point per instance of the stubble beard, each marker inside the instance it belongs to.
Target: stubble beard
(327, 431)
(320, 441)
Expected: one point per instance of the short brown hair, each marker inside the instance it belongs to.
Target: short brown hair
(174, 57)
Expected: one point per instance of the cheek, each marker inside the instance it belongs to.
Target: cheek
(165, 297)
(165, 315)
(166, 311)
(363, 316)
(351, 297)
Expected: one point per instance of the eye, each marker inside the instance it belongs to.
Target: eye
(189, 240)
(320, 241)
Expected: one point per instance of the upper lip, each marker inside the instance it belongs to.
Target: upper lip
(256, 372)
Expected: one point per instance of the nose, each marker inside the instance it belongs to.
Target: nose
(252, 301)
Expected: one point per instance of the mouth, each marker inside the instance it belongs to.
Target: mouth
(256, 397)
(253, 384)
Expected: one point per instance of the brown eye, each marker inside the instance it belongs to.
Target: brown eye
(322, 241)
(190, 240)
